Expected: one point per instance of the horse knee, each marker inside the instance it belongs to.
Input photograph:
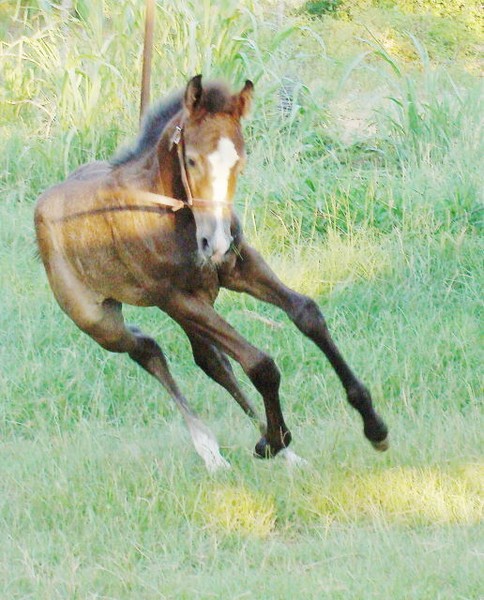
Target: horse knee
(264, 374)
(308, 316)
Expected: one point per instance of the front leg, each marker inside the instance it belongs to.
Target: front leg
(251, 274)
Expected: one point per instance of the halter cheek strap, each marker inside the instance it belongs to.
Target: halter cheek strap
(179, 142)
(177, 139)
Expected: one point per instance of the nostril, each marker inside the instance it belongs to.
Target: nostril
(204, 244)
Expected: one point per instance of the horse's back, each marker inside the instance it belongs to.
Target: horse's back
(78, 187)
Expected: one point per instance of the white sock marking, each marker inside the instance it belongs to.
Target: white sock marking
(291, 458)
(206, 445)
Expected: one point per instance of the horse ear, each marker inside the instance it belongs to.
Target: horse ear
(193, 93)
(244, 99)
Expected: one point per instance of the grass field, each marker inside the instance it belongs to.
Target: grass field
(366, 194)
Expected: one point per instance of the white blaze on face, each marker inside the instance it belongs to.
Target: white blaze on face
(221, 162)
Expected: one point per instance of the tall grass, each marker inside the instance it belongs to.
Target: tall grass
(68, 86)
(362, 190)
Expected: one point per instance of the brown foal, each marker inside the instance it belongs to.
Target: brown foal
(157, 228)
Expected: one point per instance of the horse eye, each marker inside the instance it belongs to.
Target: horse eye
(191, 162)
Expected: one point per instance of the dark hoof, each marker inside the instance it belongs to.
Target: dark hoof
(381, 446)
(377, 433)
(264, 449)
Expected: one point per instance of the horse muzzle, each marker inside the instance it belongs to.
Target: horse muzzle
(213, 236)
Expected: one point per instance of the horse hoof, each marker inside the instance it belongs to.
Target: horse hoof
(263, 449)
(381, 446)
(376, 432)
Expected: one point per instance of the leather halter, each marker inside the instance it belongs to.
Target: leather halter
(177, 139)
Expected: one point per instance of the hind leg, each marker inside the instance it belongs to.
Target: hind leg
(148, 354)
(103, 321)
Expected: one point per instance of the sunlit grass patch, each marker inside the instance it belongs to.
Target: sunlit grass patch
(413, 495)
(235, 509)
(316, 269)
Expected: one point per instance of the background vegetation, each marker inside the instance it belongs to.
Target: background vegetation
(363, 189)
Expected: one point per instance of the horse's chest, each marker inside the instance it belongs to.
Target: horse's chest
(202, 278)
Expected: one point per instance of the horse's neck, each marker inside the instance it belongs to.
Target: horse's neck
(142, 174)
(169, 174)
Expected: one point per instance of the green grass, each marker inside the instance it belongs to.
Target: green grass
(368, 198)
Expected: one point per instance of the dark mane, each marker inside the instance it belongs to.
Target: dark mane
(151, 129)
(216, 98)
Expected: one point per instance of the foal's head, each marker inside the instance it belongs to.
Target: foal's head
(213, 156)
